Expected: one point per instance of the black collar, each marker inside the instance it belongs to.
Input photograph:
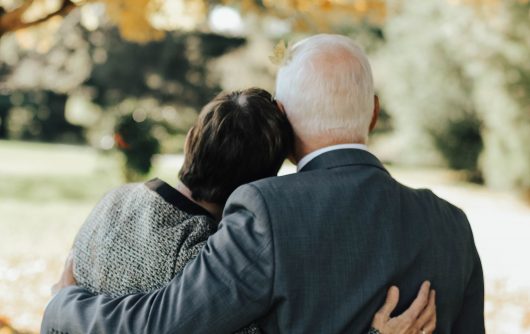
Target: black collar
(343, 157)
(174, 197)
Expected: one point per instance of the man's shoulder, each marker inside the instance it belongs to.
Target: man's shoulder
(431, 197)
(274, 180)
(283, 183)
(278, 187)
(266, 190)
(430, 204)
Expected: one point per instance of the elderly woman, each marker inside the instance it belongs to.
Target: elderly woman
(139, 236)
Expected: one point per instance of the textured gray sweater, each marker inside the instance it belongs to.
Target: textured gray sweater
(138, 237)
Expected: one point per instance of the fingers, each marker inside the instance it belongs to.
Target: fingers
(420, 302)
(67, 276)
(430, 327)
(427, 318)
(55, 288)
(383, 314)
(392, 298)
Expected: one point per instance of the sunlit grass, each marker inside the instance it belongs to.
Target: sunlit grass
(46, 192)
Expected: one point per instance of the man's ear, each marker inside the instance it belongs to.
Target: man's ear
(375, 114)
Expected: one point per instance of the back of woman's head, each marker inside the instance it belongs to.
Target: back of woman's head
(238, 138)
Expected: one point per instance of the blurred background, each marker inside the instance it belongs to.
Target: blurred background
(97, 93)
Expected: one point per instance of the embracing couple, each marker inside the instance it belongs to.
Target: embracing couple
(233, 248)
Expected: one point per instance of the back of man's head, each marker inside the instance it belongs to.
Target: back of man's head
(327, 89)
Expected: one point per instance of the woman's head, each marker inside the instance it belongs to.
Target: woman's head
(238, 138)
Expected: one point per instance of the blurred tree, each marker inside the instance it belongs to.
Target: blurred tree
(173, 70)
(5, 105)
(97, 70)
(426, 89)
(28, 13)
(169, 79)
(459, 87)
(134, 138)
(39, 115)
(145, 20)
(502, 94)
(455, 71)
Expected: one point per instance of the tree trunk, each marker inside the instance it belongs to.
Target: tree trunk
(4, 114)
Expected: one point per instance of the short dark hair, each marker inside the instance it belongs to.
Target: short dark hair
(238, 138)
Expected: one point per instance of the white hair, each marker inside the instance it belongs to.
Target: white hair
(326, 87)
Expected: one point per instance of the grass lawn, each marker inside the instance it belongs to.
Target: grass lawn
(46, 191)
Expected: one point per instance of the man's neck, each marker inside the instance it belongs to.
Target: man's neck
(309, 157)
(214, 209)
(304, 147)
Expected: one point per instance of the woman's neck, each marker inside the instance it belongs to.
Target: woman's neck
(214, 209)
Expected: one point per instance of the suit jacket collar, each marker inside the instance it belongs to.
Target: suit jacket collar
(343, 157)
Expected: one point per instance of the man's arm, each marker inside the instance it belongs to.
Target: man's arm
(471, 317)
(227, 286)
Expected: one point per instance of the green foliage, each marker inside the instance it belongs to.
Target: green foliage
(98, 70)
(460, 143)
(173, 70)
(5, 105)
(503, 94)
(456, 82)
(39, 115)
(134, 138)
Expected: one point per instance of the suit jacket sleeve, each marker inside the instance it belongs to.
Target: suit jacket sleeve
(224, 288)
(471, 317)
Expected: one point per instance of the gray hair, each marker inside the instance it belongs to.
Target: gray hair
(326, 87)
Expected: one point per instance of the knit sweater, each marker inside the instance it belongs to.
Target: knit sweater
(138, 237)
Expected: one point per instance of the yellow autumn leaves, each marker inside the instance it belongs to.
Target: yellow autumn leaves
(135, 17)
(145, 20)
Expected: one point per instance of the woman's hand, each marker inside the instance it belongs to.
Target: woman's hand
(67, 277)
(419, 318)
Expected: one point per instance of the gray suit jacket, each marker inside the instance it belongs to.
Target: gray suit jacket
(312, 252)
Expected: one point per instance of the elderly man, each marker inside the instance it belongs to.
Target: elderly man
(315, 251)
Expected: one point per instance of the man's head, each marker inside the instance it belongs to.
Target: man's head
(238, 138)
(326, 87)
